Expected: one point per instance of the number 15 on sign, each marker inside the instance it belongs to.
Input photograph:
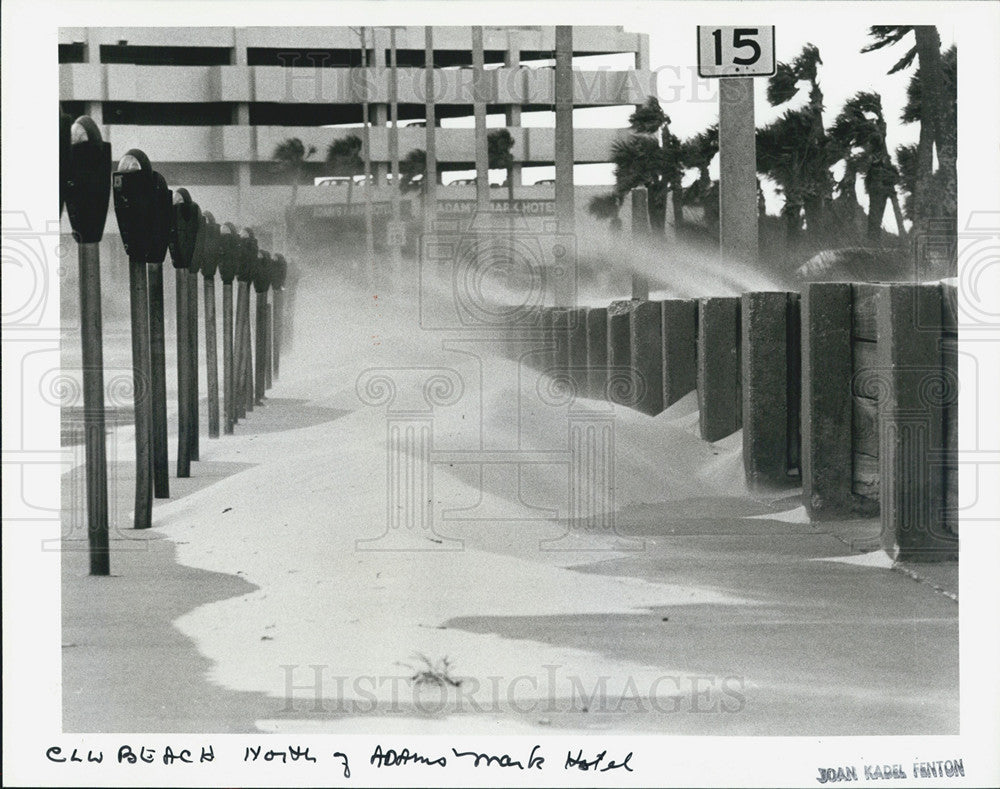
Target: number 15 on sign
(735, 51)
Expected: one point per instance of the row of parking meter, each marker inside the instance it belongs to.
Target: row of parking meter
(151, 219)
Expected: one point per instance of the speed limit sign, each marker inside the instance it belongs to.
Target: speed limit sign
(735, 51)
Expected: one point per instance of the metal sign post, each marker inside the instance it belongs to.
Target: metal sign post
(735, 55)
(86, 171)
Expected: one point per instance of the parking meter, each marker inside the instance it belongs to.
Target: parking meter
(65, 152)
(279, 271)
(185, 224)
(88, 172)
(134, 188)
(262, 272)
(198, 254)
(136, 192)
(248, 257)
(162, 219)
(84, 180)
(229, 252)
(212, 246)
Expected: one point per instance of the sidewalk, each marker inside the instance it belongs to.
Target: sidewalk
(732, 617)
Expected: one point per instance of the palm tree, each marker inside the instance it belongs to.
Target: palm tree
(640, 161)
(606, 207)
(697, 153)
(499, 144)
(858, 137)
(934, 110)
(344, 158)
(944, 183)
(499, 157)
(290, 155)
(413, 172)
(793, 150)
(650, 119)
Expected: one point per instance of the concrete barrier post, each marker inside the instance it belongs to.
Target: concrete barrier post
(949, 361)
(618, 353)
(577, 351)
(680, 349)
(719, 396)
(597, 352)
(646, 351)
(541, 360)
(914, 389)
(826, 400)
(770, 410)
(559, 337)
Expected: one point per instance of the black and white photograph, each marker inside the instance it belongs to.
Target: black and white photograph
(496, 394)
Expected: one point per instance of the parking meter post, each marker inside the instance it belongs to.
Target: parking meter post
(192, 283)
(193, 380)
(278, 284)
(210, 262)
(279, 297)
(248, 360)
(93, 408)
(227, 357)
(211, 359)
(183, 376)
(242, 309)
(158, 380)
(186, 217)
(162, 210)
(142, 405)
(85, 172)
(228, 263)
(269, 358)
(259, 361)
(135, 190)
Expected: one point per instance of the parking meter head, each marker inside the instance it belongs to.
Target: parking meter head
(262, 272)
(88, 174)
(162, 219)
(134, 187)
(198, 254)
(248, 256)
(279, 270)
(186, 219)
(229, 257)
(213, 246)
(65, 151)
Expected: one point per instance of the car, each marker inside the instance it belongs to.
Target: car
(332, 181)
